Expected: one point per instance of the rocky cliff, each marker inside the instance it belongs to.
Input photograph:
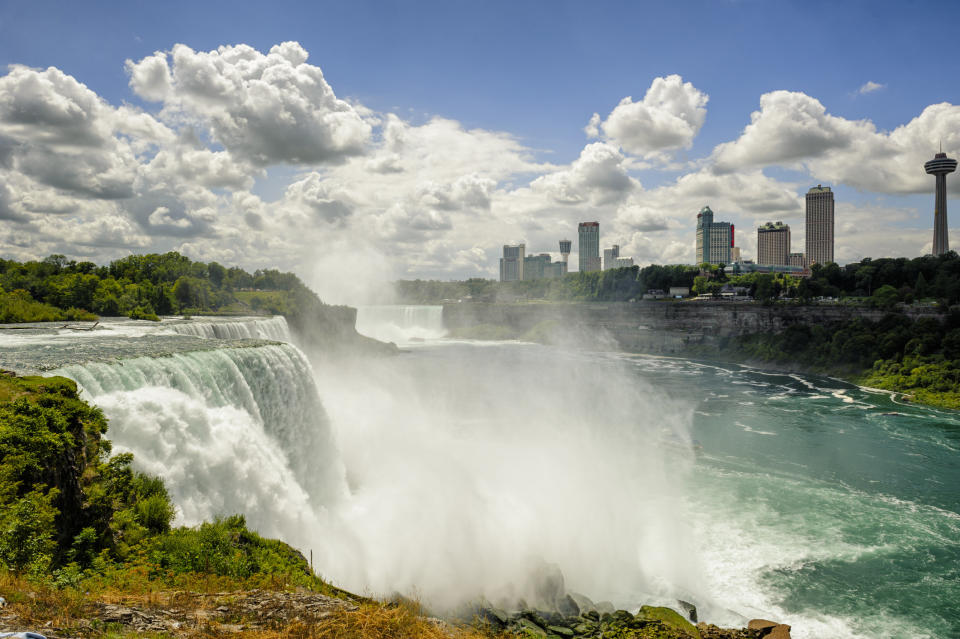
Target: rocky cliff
(662, 327)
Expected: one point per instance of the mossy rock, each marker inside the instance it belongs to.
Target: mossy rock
(669, 617)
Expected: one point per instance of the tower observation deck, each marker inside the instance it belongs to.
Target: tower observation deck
(939, 167)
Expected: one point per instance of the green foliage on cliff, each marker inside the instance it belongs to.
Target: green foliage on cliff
(63, 499)
(143, 287)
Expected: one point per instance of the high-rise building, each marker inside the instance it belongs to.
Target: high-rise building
(565, 246)
(773, 243)
(537, 267)
(714, 239)
(797, 259)
(589, 233)
(610, 256)
(940, 166)
(734, 254)
(511, 264)
(819, 225)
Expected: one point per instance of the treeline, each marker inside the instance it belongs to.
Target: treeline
(620, 285)
(920, 357)
(883, 282)
(140, 287)
(930, 277)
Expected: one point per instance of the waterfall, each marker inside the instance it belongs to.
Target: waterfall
(232, 430)
(401, 324)
(274, 328)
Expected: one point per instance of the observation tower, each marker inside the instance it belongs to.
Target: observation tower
(565, 246)
(939, 166)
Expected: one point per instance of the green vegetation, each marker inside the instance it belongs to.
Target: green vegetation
(144, 287)
(918, 357)
(18, 306)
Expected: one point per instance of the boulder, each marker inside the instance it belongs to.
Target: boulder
(583, 602)
(780, 631)
(568, 606)
(547, 585)
(530, 628)
(761, 624)
(605, 607)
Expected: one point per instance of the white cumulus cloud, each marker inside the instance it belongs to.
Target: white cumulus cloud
(668, 118)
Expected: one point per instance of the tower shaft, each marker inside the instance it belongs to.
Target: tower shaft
(941, 236)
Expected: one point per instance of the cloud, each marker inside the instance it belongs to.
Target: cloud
(870, 87)
(794, 130)
(199, 168)
(598, 175)
(266, 109)
(668, 118)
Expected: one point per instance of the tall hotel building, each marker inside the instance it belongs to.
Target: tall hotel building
(714, 239)
(819, 225)
(589, 246)
(773, 244)
(511, 264)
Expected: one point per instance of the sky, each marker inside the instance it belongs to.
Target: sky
(363, 140)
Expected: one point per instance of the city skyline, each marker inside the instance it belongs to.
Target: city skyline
(415, 143)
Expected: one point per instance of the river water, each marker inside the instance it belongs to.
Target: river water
(461, 468)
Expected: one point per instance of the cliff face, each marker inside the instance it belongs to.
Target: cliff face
(331, 330)
(644, 327)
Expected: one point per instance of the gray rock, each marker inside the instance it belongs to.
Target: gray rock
(689, 609)
(583, 602)
(568, 607)
(525, 624)
(605, 607)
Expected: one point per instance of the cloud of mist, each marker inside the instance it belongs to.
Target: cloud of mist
(472, 465)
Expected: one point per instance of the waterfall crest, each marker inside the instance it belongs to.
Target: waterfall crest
(274, 328)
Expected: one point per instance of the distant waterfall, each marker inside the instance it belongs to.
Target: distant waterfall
(274, 328)
(233, 430)
(401, 324)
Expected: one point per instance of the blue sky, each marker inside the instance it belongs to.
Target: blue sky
(530, 72)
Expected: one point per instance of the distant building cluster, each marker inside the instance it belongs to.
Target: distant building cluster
(716, 241)
(515, 265)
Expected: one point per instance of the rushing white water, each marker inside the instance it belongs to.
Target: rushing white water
(230, 430)
(274, 328)
(401, 324)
